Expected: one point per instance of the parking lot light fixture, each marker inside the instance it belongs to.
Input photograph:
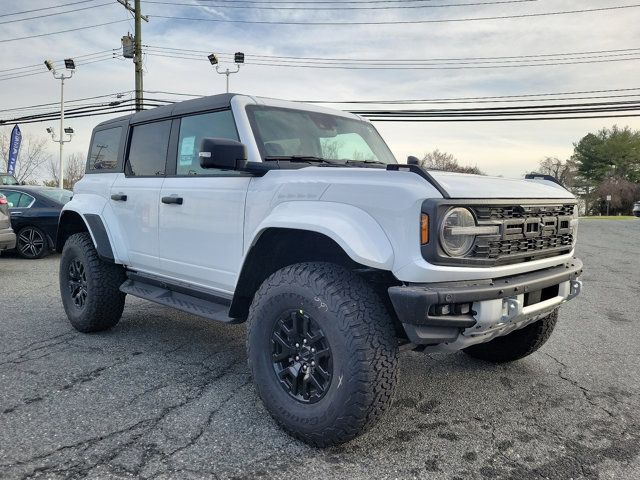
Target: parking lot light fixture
(238, 58)
(70, 66)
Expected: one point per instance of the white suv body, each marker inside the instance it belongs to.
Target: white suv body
(179, 233)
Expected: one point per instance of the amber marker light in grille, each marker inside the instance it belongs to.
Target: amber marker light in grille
(424, 229)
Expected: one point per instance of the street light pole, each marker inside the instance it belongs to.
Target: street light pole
(228, 72)
(69, 64)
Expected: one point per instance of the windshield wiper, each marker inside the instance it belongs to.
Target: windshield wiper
(300, 158)
(366, 162)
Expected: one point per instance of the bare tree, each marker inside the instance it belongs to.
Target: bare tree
(33, 155)
(446, 162)
(74, 169)
(623, 194)
(565, 171)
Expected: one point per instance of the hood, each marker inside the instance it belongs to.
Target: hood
(460, 185)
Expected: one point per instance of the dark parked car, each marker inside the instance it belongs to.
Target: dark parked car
(7, 237)
(6, 179)
(34, 217)
(636, 209)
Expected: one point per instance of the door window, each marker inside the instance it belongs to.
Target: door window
(103, 156)
(148, 149)
(193, 129)
(17, 199)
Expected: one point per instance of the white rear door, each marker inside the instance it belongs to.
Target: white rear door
(135, 195)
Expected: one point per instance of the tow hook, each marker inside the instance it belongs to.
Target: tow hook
(576, 288)
(511, 308)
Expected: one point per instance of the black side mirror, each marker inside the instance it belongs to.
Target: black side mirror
(222, 153)
(411, 160)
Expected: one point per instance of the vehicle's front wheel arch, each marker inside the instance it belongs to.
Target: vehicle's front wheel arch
(277, 248)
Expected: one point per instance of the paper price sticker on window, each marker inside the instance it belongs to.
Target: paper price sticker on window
(187, 150)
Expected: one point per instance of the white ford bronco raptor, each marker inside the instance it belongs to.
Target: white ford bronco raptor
(299, 220)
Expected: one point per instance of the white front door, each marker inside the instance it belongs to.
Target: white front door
(201, 234)
(201, 239)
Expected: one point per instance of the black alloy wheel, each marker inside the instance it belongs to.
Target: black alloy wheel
(31, 243)
(77, 282)
(301, 356)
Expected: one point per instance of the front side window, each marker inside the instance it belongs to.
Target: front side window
(195, 128)
(105, 146)
(283, 132)
(148, 149)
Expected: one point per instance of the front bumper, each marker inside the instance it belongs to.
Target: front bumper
(459, 314)
(7, 239)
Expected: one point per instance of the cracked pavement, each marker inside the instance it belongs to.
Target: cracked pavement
(168, 395)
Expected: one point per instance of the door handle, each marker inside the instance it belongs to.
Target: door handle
(119, 197)
(172, 200)
(15, 214)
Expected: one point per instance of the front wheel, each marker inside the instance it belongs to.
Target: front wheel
(518, 344)
(90, 287)
(322, 351)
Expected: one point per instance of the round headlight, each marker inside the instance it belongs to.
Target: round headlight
(454, 241)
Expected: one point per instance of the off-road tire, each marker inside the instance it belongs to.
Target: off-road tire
(104, 301)
(360, 334)
(518, 344)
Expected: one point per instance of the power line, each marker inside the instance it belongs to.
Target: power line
(45, 8)
(39, 65)
(30, 74)
(340, 7)
(397, 22)
(478, 99)
(115, 94)
(396, 67)
(519, 113)
(44, 15)
(6, 40)
(591, 52)
(390, 63)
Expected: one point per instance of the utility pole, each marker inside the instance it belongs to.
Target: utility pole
(137, 55)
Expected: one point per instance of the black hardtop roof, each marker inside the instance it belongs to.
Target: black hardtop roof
(211, 102)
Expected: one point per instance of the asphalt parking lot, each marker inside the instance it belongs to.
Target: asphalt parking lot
(169, 395)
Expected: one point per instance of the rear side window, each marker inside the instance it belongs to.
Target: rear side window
(193, 129)
(18, 199)
(103, 156)
(148, 149)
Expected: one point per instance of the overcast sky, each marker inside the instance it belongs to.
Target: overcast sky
(503, 148)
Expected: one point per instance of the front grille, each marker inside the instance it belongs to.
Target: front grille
(521, 211)
(527, 232)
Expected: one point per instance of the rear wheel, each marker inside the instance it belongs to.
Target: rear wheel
(90, 287)
(518, 344)
(32, 243)
(322, 351)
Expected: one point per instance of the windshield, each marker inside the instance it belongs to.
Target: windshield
(57, 195)
(8, 180)
(284, 132)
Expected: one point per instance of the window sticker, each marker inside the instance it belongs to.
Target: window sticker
(187, 151)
